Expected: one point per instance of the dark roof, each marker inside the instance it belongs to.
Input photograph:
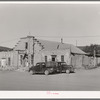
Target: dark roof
(5, 48)
(81, 47)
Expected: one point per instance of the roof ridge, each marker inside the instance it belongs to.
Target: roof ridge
(52, 45)
(54, 41)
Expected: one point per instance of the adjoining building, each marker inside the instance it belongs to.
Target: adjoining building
(6, 57)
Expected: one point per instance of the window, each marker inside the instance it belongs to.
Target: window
(62, 58)
(45, 58)
(9, 61)
(26, 45)
(32, 59)
(21, 59)
(54, 57)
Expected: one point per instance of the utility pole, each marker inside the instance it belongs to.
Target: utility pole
(29, 54)
(62, 40)
(29, 34)
(94, 57)
(33, 49)
(76, 43)
(70, 55)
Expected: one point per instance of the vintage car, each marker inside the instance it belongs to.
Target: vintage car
(44, 67)
(63, 67)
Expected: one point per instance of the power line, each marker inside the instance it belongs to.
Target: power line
(68, 36)
(53, 37)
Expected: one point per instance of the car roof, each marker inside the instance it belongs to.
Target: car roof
(61, 62)
(40, 62)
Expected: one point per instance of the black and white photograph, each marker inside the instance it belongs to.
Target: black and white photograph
(49, 47)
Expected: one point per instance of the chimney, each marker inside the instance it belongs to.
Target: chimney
(62, 40)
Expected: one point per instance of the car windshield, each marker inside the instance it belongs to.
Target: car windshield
(43, 64)
(37, 64)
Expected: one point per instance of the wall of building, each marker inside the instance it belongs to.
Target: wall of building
(6, 59)
(58, 54)
(39, 54)
(20, 50)
(86, 60)
(98, 60)
(77, 60)
(90, 62)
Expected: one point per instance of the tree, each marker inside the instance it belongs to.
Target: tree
(90, 49)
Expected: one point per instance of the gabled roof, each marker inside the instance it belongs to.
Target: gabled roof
(52, 45)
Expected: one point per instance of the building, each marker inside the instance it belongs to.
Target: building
(6, 57)
(29, 51)
(26, 51)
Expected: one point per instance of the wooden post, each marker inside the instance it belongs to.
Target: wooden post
(33, 50)
(70, 55)
(94, 58)
(29, 55)
(17, 59)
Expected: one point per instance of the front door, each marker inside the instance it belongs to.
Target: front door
(54, 57)
(38, 67)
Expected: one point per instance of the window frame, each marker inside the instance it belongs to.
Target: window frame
(62, 58)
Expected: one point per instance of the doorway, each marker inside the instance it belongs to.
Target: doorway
(53, 57)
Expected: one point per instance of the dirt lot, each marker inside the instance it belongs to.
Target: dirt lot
(82, 80)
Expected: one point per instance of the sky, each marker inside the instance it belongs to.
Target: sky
(72, 22)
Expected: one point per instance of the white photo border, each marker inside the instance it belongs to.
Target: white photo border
(49, 94)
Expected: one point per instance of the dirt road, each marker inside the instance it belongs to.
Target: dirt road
(82, 80)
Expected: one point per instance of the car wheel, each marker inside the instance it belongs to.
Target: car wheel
(31, 72)
(73, 70)
(46, 72)
(67, 71)
(60, 70)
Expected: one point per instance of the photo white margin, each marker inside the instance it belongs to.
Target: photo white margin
(52, 94)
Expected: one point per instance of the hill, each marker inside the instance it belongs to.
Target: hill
(5, 48)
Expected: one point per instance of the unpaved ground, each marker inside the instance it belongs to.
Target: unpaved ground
(82, 80)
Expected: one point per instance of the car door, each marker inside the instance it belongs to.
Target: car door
(43, 67)
(60, 67)
(37, 69)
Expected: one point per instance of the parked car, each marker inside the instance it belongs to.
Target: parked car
(44, 67)
(63, 67)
